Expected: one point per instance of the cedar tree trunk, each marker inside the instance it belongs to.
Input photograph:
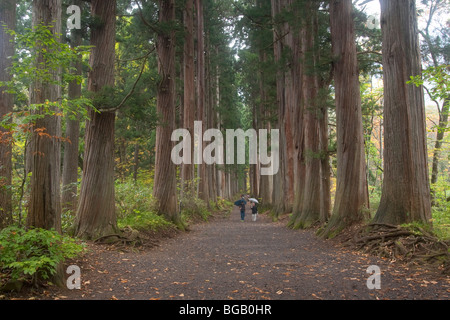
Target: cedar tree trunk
(45, 200)
(164, 188)
(96, 214)
(406, 189)
(70, 162)
(187, 169)
(7, 17)
(351, 197)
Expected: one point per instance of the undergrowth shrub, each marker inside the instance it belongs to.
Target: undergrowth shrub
(192, 208)
(136, 207)
(35, 253)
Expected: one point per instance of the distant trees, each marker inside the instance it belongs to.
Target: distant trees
(436, 55)
(155, 66)
(303, 76)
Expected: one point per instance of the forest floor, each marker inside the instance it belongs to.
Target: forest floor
(225, 258)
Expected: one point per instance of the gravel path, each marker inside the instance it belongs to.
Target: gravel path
(229, 259)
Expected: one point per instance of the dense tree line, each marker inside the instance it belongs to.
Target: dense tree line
(299, 66)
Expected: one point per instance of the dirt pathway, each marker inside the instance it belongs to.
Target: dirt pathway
(230, 259)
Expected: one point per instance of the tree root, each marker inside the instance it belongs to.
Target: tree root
(412, 245)
(128, 237)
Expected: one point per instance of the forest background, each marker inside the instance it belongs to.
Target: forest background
(87, 114)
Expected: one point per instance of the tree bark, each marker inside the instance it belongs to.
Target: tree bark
(308, 208)
(164, 188)
(264, 190)
(187, 169)
(96, 214)
(203, 191)
(8, 18)
(44, 209)
(45, 200)
(351, 197)
(406, 189)
(278, 195)
(70, 162)
(290, 42)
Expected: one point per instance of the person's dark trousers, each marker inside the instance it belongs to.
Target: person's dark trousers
(242, 215)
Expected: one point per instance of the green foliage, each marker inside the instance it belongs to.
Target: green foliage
(143, 220)
(438, 79)
(107, 97)
(39, 55)
(136, 207)
(441, 209)
(224, 203)
(34, 253)
(192, 208)
(42, 58)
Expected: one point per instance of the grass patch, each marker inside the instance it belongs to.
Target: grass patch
(145, 220)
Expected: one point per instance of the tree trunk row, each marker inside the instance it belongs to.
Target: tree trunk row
(8, 18)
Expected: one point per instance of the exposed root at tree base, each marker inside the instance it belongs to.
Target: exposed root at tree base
(411, 245)
(130, 238)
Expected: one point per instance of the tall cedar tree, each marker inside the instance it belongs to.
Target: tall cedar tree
(187, 169)
(8, 18)
(45, 201)
(279, 205)
(164, 188)
(203, 190)
(306, 108)
(311, 205)
(351, 196)
(44, 209)
(406, 189)
(70, 162)
(96, 214)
